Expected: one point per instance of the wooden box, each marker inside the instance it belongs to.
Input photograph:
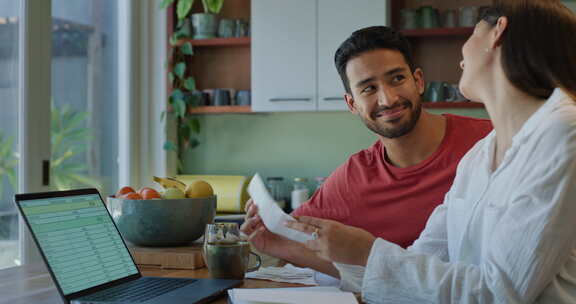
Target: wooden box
(184, 257)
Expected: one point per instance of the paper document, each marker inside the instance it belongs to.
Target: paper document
(272, 216)
(299, 295)
(288, 274)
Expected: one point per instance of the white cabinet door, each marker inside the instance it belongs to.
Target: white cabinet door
(284, 69)
(337, 19)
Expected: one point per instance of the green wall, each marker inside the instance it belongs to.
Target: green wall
(305, 144)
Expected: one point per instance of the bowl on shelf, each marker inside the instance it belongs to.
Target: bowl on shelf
(162, 222)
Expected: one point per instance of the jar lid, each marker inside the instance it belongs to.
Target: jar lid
(300, 179)
(275, 178)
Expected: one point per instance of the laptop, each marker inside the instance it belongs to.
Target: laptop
(88, 259)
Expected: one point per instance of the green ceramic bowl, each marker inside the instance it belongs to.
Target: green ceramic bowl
(162, 222)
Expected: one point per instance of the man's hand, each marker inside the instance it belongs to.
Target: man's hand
(259, 236)
(334, 241)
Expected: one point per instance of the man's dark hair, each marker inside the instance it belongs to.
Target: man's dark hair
(538, 45)
(368, 39)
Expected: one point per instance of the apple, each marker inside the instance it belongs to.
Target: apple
(173, 193)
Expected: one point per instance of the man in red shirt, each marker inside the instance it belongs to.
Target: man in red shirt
(391, 188)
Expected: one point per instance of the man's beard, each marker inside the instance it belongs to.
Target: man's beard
(399, 130)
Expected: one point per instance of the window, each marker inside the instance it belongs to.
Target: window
(84, 122)
(83, 115)
(9, 60)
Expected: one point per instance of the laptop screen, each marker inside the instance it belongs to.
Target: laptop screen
(79, 240)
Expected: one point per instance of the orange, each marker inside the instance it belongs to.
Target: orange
(124, 190)
(149, 193)
(132, 196)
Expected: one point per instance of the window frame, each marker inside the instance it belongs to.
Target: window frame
(142, 50)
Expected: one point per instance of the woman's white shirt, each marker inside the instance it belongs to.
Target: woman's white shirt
(504, 236)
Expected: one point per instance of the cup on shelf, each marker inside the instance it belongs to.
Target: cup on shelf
(242, 28)
(227, 28)
(451, 92)
(243, 98)
(449, 18)
(468, 16)
(428, 17)
(222, 97)
(200, 98)
(438, 91)
(409, 19)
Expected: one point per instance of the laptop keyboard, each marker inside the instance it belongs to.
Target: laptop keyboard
(139, 290)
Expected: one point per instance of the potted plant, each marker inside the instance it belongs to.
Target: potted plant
(205, 25)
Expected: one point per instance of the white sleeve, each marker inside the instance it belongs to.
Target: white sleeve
(432, 241)
(533, 241)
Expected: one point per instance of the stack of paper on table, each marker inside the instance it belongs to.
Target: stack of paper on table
(289, 274)
(299, 295)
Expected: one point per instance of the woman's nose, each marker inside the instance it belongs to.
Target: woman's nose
(462, 64)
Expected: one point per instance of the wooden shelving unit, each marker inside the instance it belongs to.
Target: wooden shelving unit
(438, 51)
(217, 42)
(247, 109)
(219, 62)
(220, 109)
(456, 104)
(439, 32)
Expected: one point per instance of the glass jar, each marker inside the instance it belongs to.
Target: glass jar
(319, 181)
(275, 185)
(299, 192)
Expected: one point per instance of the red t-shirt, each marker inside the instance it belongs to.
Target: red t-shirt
(390, 202)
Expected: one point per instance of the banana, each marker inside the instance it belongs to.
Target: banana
(169, 182)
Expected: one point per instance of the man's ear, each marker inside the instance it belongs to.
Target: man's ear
(350, 103)
(419, 80)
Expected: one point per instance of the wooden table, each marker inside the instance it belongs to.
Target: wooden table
(32, 284)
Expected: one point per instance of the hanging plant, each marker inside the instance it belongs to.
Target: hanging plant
(183, 84)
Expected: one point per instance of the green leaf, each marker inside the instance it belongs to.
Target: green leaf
(166, 3)
(184, 132)
(180, 69)
(194, 125)
(194, 143)
(185, 29)
(174, 39)
(180, 107)
(190, 84)
(171, 77)
(170, 146)
(176, 94)
(213, 6)
(187, 49)
(183, 8)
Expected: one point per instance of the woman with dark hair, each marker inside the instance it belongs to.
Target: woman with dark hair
(506, 231)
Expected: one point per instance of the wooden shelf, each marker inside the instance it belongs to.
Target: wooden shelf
(218, 42)
(220, 109)
(453, 104)
(439, 32)
(248, 109)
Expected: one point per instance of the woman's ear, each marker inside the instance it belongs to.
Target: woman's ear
(499, 30)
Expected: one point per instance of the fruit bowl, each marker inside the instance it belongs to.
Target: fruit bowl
(162, 222)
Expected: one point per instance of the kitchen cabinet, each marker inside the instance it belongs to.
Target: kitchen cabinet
(293, 45)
